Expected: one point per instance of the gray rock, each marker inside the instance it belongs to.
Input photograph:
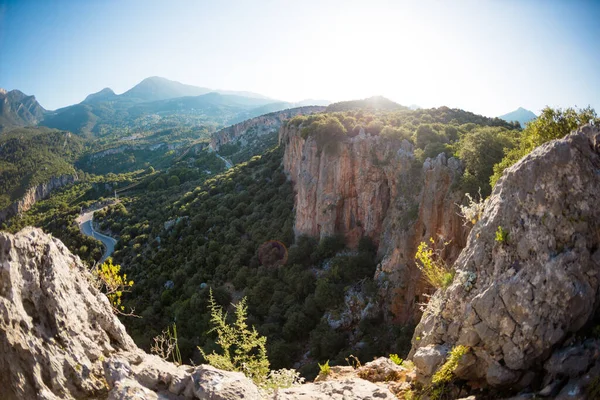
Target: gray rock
(429, 358)
(209, 383)
(346, 389)
(538, 286)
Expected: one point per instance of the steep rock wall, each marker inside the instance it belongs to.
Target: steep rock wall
(371, 186)
(259, 125)
(35, 194)
(516, 300)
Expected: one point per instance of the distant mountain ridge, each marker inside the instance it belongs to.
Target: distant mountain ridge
(374, 103)
(521, 115)
(18, 109)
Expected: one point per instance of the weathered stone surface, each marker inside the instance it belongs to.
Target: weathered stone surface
(539, 285)
(381, 369)
(370, 186)
(55, 327)
(427, 359)
(346, 389)
(209, 383)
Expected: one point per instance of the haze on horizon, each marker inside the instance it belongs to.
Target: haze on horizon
(485, 57)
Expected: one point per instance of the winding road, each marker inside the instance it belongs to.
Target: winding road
(85, 224)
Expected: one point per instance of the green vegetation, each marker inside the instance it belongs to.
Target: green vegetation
(551, 124)
(112, 283)
(445, 373)
(244, 350)
(501, 235)
(434, 269)
(30, 156)
(324, 369)
(396, 359)
(166, 345)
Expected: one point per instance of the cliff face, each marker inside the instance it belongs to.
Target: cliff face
(516, 301)
(258, 126)
(370, 186)
(34, 194)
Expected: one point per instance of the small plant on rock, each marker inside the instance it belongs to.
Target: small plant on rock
(324, 369)
(501, 235)
(108, 279)
(166, 346)
(396, 359)
(472, 212)
(433, 267)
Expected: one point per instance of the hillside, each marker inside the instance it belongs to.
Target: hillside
(521, 115)
(32, 156)
(17, 109)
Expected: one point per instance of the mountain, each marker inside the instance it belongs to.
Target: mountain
(520, 115)
(371, 103)
(18, 109)
(105, 94)
(157, 88)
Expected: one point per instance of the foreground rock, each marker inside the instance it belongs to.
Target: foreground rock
(532, 290)
(59, 339)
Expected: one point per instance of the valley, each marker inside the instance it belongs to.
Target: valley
(349, 193)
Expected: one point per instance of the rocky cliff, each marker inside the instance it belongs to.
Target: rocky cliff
(59, 339)
(18, 109)
(526, 295)
(257, 126)
(34, 194)
(371, 186)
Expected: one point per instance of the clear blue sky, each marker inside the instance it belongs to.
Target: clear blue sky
(484, 56)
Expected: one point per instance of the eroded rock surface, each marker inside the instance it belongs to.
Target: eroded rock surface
(535, 288)
(371, 186)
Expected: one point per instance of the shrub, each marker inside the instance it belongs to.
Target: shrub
(324, 369)
(473, 211)
(501, 235)
(166, 345)
(109, 280)
(445, 373)
(396, 359)
(244, 350)
(434, 269)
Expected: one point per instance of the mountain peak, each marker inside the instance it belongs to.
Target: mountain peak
(157, 88)
(103, 95)
(520, 115)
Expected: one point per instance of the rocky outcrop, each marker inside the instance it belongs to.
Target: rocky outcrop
(18, 109)
(257, 126)
(59, 339)
(35, 194)
(531, 288)
(371, 186)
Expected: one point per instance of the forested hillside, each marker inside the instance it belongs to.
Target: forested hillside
(30, 156)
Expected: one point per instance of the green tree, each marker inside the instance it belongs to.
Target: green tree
(551, 124)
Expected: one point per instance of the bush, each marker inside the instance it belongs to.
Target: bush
(434, 269)
(244, 350)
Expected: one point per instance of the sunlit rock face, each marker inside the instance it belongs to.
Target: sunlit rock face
(533, 289)
(371, 186)
(257, 126)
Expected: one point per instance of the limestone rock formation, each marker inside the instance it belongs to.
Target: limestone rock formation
(59, 339)
(257, 126)
(533, 287)
(371, 186)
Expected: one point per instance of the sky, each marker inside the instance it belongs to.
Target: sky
(489, 57)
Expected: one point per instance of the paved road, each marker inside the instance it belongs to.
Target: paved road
(85, 224)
